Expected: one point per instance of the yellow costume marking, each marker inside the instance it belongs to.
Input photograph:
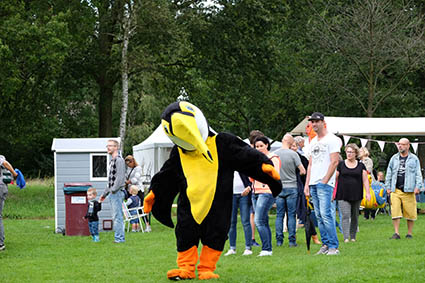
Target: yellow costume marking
(201, 176)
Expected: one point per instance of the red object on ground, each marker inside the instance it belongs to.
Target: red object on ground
(75, 210)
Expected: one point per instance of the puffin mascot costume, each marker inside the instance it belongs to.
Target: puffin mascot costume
(200, 169)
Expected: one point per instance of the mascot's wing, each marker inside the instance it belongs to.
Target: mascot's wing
(248, 161)
(165, 185)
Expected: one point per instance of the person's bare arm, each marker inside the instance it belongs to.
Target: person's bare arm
(9, 167)
(366, 184)
(307, 179)
(332, 166)
(302, 169)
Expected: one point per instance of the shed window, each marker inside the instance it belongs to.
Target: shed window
(98, 167)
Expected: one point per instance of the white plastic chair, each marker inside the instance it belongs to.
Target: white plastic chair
(140, 214)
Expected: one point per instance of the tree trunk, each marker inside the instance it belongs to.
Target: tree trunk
(105, 72)
(124, 80)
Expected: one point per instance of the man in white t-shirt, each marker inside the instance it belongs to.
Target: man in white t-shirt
(324, 157)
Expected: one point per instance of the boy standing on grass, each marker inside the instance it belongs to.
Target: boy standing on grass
(93, 208)
(132, 202)
(3, 194)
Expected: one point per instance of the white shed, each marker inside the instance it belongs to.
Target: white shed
(152, 153)
(80, 160)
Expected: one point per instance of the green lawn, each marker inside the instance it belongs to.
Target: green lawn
(35, 253)
(37, 200)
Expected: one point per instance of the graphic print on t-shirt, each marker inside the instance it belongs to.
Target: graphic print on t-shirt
(401, 173)
(318, 152)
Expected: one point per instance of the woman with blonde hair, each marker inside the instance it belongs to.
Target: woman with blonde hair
(368, 162)
(352, 176)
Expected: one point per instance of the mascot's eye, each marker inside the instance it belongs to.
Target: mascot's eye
(190, 108)
(166, 130)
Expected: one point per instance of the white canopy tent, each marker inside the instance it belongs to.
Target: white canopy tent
(153, 152)
(369, 126)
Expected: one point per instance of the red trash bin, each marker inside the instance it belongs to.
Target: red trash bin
(76, 209)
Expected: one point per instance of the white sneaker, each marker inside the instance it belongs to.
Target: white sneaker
(230, 252)
(247, 252)
(265, 253)
(148, 229)
(323, 250)
(333, 251)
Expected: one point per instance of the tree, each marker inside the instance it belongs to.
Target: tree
(34, 44)
(369, 49)
(126, 30)
(243, 68)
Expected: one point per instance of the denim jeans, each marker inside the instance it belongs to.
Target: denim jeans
(134, 221)
(262, 204)
(321, 195)
(335, 207)
(286, 200)
(244, 204)
(116, 204)
(94, 228)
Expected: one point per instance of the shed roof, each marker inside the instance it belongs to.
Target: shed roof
(81, 144)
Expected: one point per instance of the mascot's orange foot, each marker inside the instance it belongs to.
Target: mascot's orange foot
(180, 274)
(207, 275)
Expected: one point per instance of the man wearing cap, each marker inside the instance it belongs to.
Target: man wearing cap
(320, 182)
(403, 181)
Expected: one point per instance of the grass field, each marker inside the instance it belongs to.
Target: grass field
(34, 253)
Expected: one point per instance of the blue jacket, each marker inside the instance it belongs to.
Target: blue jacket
(413, 175)
(20, 180)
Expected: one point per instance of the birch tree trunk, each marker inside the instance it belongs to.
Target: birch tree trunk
(124, 77)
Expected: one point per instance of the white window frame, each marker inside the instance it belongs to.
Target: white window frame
(91, 167)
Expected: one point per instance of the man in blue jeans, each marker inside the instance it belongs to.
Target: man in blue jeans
(115, 189)
(320, 181)
(287, 199)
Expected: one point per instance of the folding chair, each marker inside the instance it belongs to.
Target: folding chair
(140, 214)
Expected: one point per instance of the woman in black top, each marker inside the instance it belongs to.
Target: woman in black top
(352, 176)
